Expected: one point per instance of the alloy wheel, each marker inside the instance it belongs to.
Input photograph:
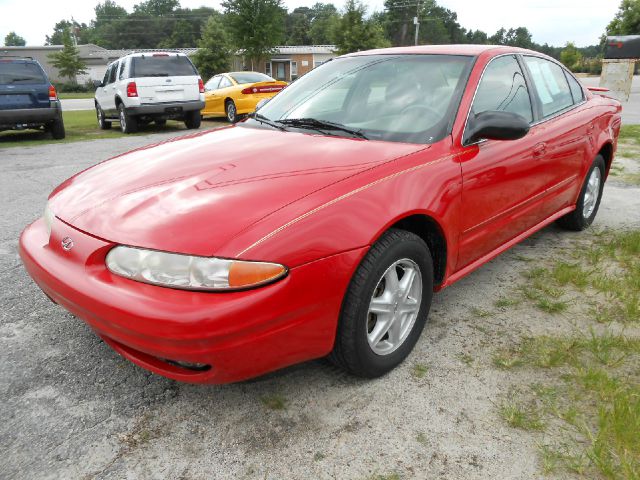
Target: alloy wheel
(591, 193)
(394, 306)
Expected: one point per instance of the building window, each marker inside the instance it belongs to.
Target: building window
(267, 68)
(294, 70)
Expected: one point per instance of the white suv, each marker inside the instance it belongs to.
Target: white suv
(141, 88)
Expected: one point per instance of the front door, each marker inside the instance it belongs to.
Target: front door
(500, 179)
(280, 70)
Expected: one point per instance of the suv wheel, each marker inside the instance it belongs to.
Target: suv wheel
(192, 119)
(102, 123)
(232, 114)
(57, 129)
(128, 123)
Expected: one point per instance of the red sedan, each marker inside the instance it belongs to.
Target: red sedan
(322, 225)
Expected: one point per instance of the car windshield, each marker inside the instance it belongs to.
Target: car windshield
(250, 77)
(162, 66)
(20, 73)
(401, 98)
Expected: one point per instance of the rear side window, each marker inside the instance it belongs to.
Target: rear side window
(21, 73)
(112, 73)
(162, 66)
(503, 89)
(121, 74)
(576, 89)
(550, 84)
(225, 82)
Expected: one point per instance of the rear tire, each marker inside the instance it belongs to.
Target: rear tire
(128, 123)
(232, 113)
(102, 122)
(57, 129)
(377, 300)
(192, 119)
(589, 199)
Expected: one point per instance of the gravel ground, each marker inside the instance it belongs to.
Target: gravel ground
(72, 408)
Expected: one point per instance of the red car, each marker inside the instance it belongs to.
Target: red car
(322, 225)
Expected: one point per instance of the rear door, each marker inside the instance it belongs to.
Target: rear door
(562, 132)
(23, 84)
(165, 78)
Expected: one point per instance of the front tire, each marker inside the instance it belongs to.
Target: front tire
(589, 199)
(128, 123)
(386, 305)
(232, 112)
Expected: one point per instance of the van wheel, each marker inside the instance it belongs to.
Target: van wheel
(386, 305)
(192, 119)
(128, 123)
(232, 113)
(57, 129)
(102, 122)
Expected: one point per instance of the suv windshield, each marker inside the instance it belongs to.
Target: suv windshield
(21, 73)
(162, 66)
(250, 77)
(401, 98)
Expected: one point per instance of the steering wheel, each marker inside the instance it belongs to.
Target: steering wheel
(419, 106)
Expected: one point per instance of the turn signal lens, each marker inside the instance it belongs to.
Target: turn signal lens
(253, 273)
(53, 95)
(200, 85)
(190, 272)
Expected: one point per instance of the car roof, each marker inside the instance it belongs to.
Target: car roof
(461, 49)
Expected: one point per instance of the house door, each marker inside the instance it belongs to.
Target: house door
(280, 70)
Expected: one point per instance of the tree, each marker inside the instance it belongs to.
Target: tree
(157, 8)
(215, 51)
(324, 22)
(256, 26)
(570, 56)
(79, 30)
(298, 26)
(67, 61)
(627, 20)
(355, 32)
(14, 40)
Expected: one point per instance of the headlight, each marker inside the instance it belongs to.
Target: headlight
(48, 217)
(189, 272)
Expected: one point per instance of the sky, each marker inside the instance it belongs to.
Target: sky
(550, 21)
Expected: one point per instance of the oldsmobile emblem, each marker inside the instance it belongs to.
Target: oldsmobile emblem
(67, 244)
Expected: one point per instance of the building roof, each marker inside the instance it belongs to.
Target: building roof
(298, 49)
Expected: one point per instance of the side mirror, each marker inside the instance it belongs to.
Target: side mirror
(97, 83)
(262, 103)
(495, 126)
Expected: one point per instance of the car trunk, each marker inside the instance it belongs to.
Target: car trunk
(165, 78)
(264, 89)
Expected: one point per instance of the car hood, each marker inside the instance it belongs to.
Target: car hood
(195, 193)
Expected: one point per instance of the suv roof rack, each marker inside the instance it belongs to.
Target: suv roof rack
(21, 57)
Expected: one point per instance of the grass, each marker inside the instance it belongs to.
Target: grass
(630, 133)
(419, 370)
(589, 403)
(274, 402)
(75, 95)
(82, 125)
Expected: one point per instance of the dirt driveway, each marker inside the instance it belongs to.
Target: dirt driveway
(72, 408)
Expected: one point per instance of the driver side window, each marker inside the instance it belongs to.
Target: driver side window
(503, 89)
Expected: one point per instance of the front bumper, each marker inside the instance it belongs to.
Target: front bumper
(171, 108)
(239, 334)
(29, 117)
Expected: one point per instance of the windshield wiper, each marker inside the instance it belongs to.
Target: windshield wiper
(320, 125)
(262, 119)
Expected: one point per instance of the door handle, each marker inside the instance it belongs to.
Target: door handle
(540, 149)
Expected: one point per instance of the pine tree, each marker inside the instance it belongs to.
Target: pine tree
(67, 61)
(215, 51)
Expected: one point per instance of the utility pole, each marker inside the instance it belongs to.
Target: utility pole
(416, 20)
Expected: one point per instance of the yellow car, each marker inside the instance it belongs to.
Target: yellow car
(237, 93)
